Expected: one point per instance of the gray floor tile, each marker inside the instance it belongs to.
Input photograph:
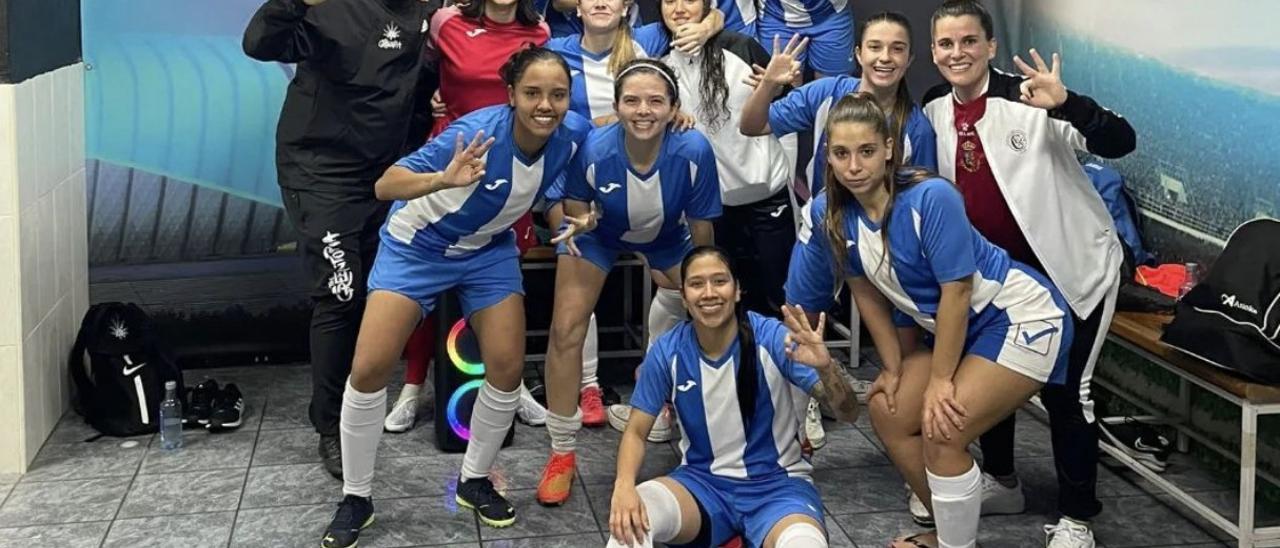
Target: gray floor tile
(290, 484)
(855, 490)
(71, 428)
(520, 468)
(836, 537)
(286, 411)
(535, 437)
(599, 497)
(68, 535)
(165, 531)
(1143, 521)
(419, 442)
(598, 463)
(284, 527)
(534, 520)
(562, 541)
(40, 503)
(78, 460)
(1183, 471)
(183, 493)
(297, 446)
(418, 477)
(1039, 476)
(1015, 531)
(201, 451)
(878, 528)
(419, 522)
(847, 448)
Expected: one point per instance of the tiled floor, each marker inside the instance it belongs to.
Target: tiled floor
(262, 486)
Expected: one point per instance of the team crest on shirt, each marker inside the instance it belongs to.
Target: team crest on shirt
(1018, 140)
(390, 37)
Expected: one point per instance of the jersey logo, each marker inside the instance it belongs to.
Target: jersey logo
(610, 188)
(688, 385)
(126, 370)
(573, 73)
(778, 212)
(494, 185)
(425, 26)
(474, 33)
(1018, 140)
(1036, 336)
(118, 329)
(390, 37)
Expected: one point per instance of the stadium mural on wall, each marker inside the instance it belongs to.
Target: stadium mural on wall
(1200, 82)
(179, 133)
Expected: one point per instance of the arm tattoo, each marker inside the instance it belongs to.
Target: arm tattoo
(835, 387)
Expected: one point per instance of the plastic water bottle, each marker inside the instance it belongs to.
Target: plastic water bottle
(1193, 278)
(170, 418)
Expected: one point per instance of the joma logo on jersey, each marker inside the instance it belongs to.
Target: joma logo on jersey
(609, 188)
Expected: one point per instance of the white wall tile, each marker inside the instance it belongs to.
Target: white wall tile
(8, 152)
(75, 112)
(80, 220)
(43, 132)
(48, 282)
(30, 270)
(12, 441)
(63, 224)
(10, 269)
(25, 115)
(33, 374)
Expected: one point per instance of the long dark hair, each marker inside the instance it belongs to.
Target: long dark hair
(746, 376)
(713, 91)
(861, 108)
(526, 13)
(902, 104)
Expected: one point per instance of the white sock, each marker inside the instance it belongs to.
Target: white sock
(409, 391)
(591, 354)
(490, 419)
(361, 427)
(665, 311)
(957, 503)
(564, 431)
(801, 535)
(663, 509)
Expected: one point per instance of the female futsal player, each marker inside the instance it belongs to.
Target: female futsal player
(902, 240)
(450, 229)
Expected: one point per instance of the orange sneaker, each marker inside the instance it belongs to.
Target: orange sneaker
(557, 479)
(592, 405)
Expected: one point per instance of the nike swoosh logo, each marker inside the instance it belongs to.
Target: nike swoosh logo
(778, 213)
(126, 371)
(689, 384)
(1031, 339)
(494, 185)
(610, 188)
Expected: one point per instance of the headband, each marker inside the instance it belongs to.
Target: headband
(652, 66)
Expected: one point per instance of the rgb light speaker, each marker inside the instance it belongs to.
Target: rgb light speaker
(459, 373)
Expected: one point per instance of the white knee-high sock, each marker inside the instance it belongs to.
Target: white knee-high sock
(665, 311)
(564, 431)
(663, 509)
(490, 419)
(957, 503)
(591, 354)
(361, 427)
(801, 535)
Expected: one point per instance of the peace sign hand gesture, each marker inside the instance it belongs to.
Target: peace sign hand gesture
(1043, 87)
(467, 165)
(804, 344)
(574, 226)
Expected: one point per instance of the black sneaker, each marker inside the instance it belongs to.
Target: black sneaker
(228, 409)
(200, 403)
(1140, 441)
(479, 495)
(354, 515)
(331, 453)
(609, 396)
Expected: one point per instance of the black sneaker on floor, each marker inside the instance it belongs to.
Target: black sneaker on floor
(609, 396)
(200, 403)
(228, 409)
(1140, 441)
(492, 507)
(331, 453)
(354, 515)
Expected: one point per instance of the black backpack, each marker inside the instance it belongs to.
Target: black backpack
(118, 369)
(1232, 317)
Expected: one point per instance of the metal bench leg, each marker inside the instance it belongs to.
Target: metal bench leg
(1248, 474)
(855, 333)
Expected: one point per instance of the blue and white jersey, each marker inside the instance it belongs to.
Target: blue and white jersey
(640, 208)
(931, 242)
(802, 13)
(806, 108)
(713, 438)
(459, 221)
(591, 89)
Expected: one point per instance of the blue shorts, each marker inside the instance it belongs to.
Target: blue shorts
(483, 278)
(748, 507)
(830, 50)
(662, 254)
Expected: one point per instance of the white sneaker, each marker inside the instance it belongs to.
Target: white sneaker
(620, 414)
(1068, 534)
(919, 512)
(998, 499)
(813, 430)
(402, 415)
(530, 411)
